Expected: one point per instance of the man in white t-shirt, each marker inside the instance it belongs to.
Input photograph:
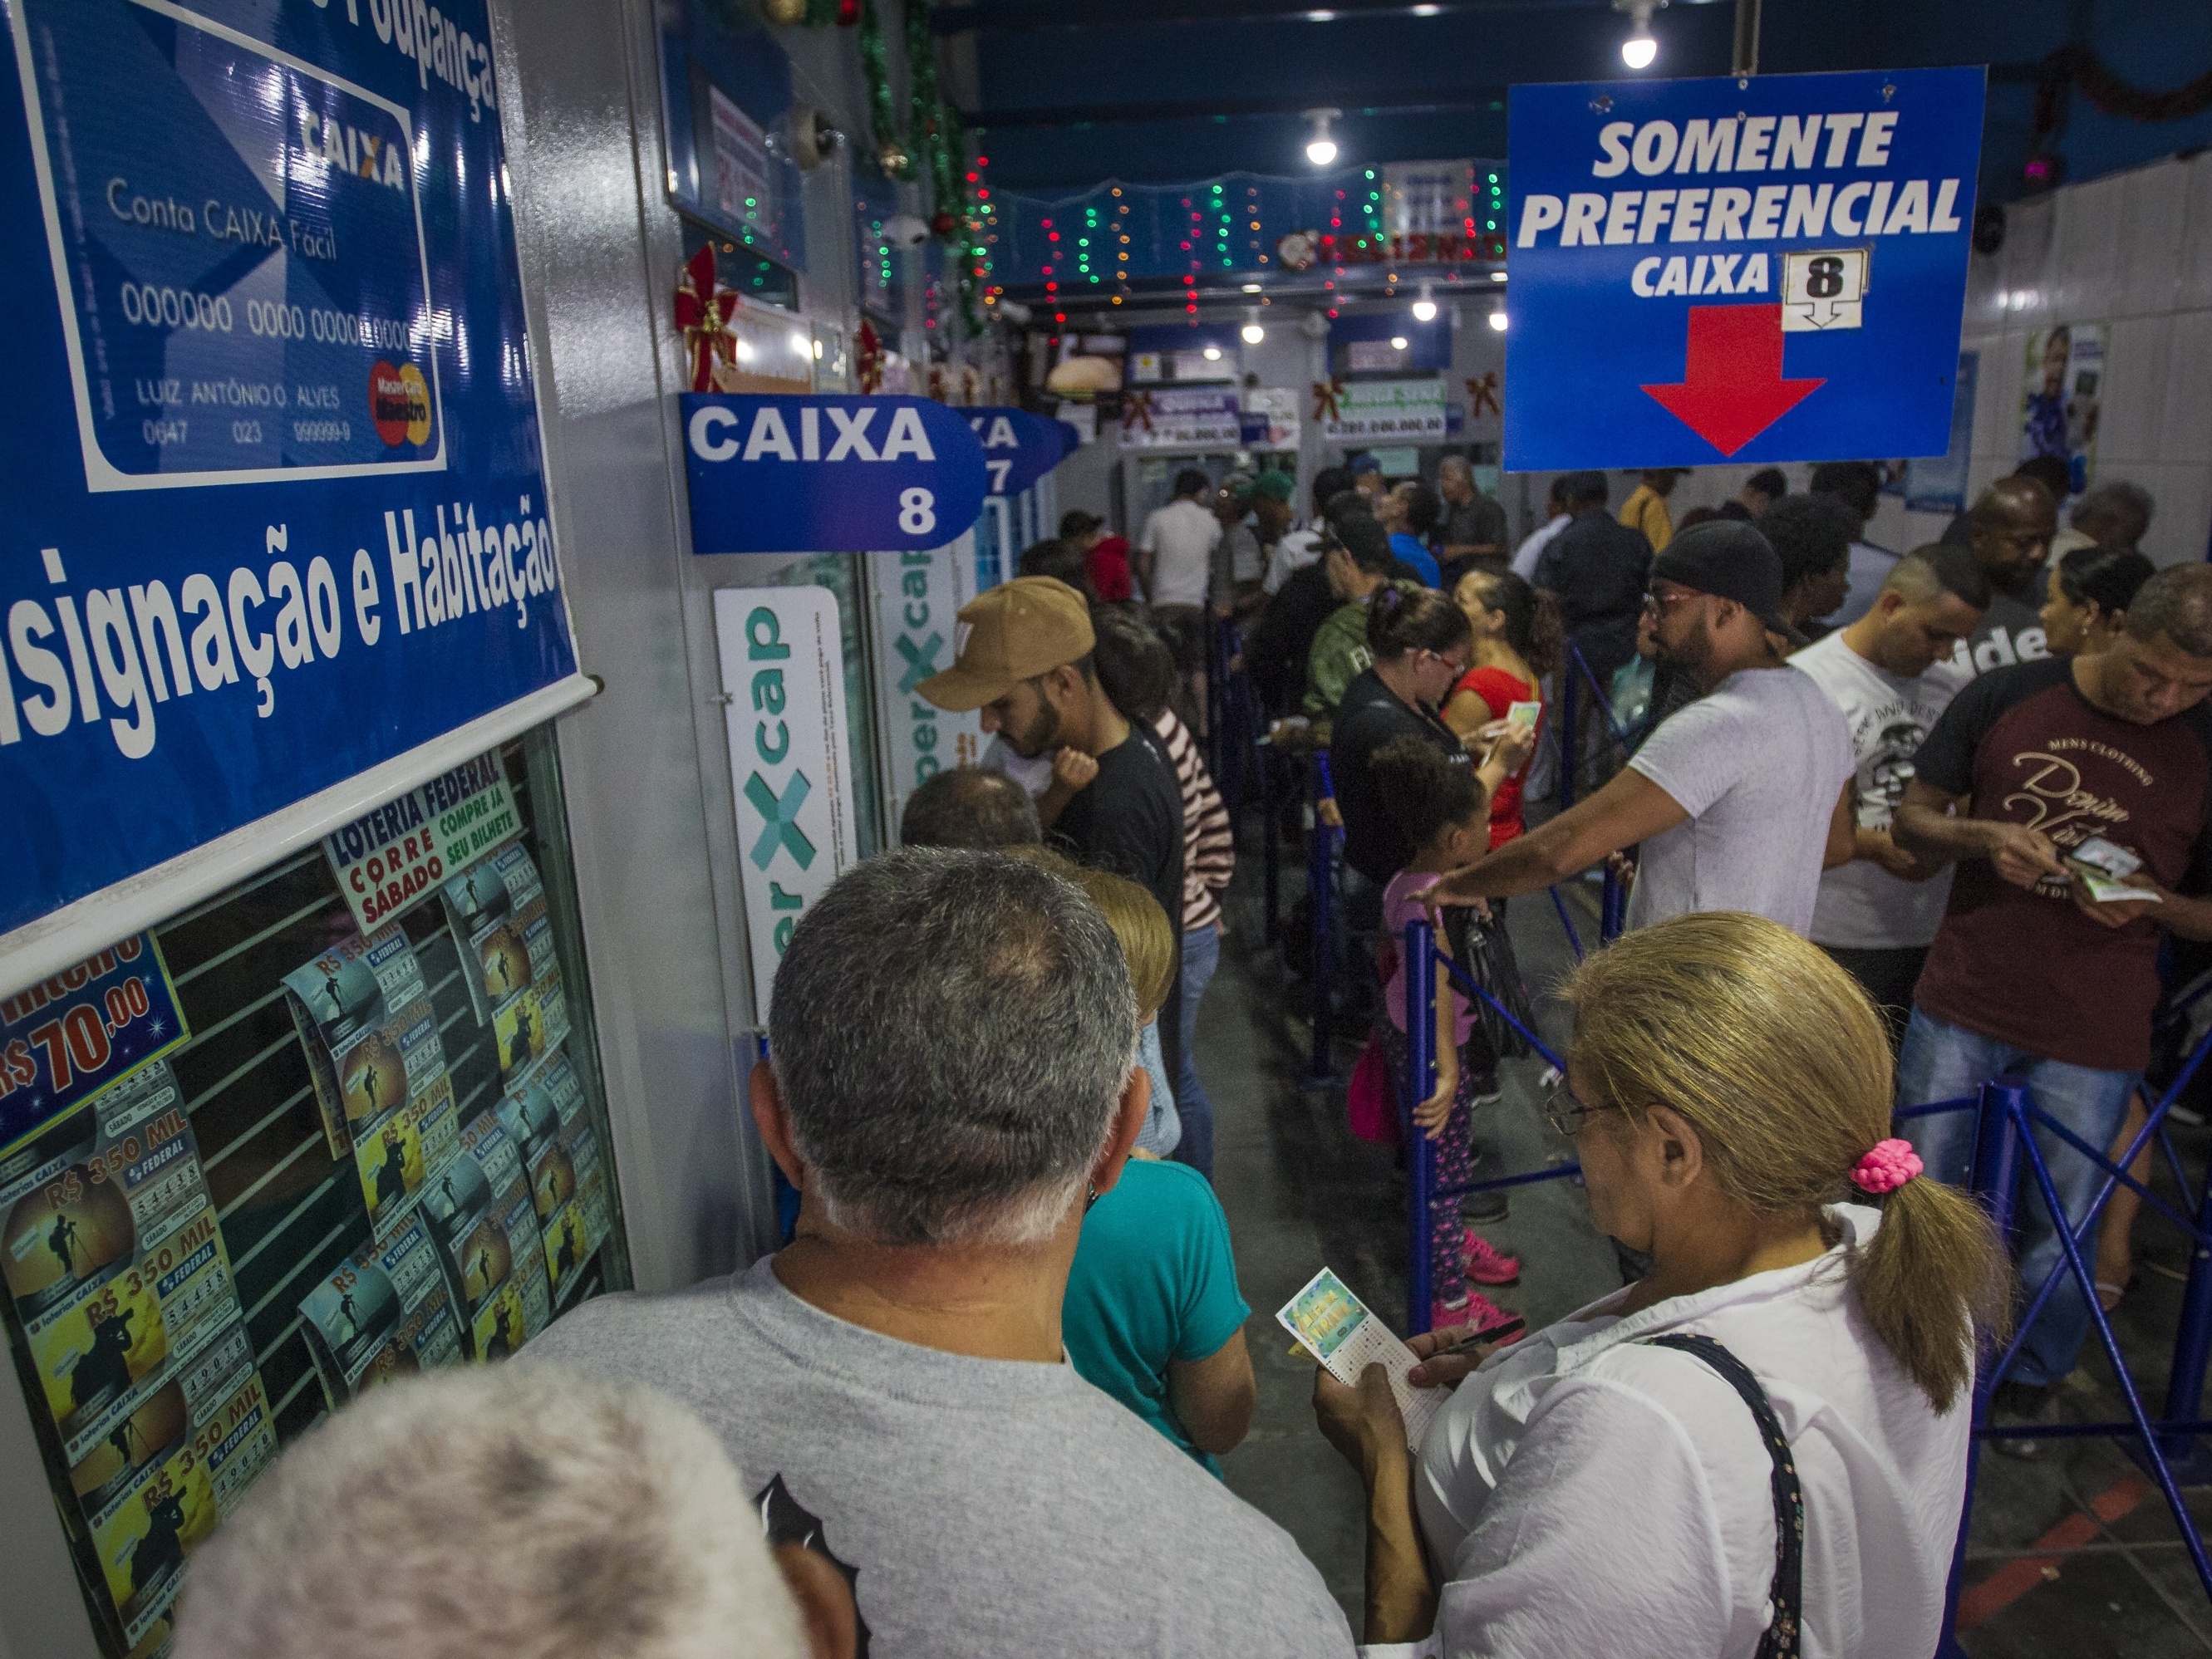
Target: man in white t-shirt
(1559, 513)
(1740, 799)
(1174, 556)
(1891, 674)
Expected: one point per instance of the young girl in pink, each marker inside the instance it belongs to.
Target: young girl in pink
(1438, 804)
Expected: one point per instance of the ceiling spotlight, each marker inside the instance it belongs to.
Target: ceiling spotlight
(1212, 353)
(1497, 320)
(1425, 308)
(1321, 148)
(1252, 330)
(1639, 50)
(1428, 11)
(1251, 288)
(1397, 342)
(1496, 275)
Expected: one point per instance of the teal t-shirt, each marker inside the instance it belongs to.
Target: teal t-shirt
(1153, 1280)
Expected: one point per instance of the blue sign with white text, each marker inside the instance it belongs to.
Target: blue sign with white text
(276, 513)
(828, 474)
(1018, 447)
(1769, 268)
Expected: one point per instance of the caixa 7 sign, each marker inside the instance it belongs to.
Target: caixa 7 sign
(827, 475)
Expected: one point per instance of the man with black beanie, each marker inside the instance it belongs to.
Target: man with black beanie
(1739, 800)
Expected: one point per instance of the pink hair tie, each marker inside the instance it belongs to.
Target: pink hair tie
(1889, 1166)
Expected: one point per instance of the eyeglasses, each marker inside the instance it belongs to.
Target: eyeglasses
(1567, 1111)
(1458, 665)
(1661, 601)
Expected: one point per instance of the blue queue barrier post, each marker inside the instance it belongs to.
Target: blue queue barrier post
(1992, 1179)
(1420, 1078)
(1611, 906)
(1559, 903)
(1271, 844)
(1321, 886)
(2192, 1348)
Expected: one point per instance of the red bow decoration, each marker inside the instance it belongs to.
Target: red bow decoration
(868, 359)
(1483, 394)
(1325, 394)
(703, 310)
(1136, 412)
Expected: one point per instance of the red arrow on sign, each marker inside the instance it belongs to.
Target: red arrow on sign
(1732, 388)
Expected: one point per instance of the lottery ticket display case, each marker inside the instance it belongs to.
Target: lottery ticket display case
(288, 1145)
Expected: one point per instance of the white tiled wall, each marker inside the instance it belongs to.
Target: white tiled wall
(2132, 251)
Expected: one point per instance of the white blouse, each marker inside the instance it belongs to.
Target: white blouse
(1588, 1495)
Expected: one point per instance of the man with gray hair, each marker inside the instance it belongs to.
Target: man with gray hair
(2113, 514)
(508, 1510)
(954, 1038)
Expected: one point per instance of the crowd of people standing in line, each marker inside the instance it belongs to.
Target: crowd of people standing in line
(976, 1403)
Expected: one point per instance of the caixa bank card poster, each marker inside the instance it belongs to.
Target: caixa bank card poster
(276, 512)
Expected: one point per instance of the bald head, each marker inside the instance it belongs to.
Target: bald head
(977, 807)
(2011, 526)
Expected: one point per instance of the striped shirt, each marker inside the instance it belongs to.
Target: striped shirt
(1209, 845)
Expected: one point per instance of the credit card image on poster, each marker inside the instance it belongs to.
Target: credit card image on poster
(143, 1539)
(364, 1018)
(385, 1312)
(480, 1212)
(496, 909)
(110, 1248)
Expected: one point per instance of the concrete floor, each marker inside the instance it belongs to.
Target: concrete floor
(2075, 1555)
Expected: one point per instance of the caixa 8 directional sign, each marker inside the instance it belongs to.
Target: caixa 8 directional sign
(1763, 268)
(827, 475)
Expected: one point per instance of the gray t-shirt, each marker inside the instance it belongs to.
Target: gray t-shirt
(1758, 764)
(983, 1506)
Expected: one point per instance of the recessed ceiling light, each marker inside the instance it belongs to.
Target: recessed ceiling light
(1397, 342)
(1251, 288)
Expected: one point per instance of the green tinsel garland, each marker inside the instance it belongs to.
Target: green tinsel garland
(933, 148)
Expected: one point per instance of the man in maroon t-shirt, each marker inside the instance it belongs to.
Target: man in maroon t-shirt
(2030, 973)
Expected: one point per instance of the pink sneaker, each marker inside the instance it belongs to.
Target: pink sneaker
(1486, 1264)
(1477, 1313)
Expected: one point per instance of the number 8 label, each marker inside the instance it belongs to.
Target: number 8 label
(917, 512)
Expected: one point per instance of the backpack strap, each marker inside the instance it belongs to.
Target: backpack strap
(1787, 1594)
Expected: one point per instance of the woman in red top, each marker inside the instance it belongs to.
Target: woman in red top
(1516, 642)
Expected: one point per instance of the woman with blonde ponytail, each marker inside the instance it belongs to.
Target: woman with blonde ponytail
(1760, 1448)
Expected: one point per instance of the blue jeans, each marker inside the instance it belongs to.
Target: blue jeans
(1940, 1061)
(1201, 955)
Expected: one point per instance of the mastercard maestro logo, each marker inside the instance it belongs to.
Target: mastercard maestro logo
(400, 403)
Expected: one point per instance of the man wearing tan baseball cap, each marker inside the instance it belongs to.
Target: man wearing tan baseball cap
(1022, 660)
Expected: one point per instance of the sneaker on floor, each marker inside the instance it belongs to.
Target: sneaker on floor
(2023, 1403)
(1484, 1209)
(1485, 1263)
(1450, 1315)
(1483, 1314)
